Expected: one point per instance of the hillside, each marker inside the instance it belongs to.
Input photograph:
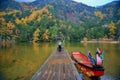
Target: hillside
(67, 9)
(44, 20)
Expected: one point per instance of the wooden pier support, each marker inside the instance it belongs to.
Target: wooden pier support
(58, 66)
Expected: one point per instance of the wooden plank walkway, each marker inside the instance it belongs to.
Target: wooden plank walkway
(58, 66)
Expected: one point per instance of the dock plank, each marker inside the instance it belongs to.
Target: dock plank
(58, 66)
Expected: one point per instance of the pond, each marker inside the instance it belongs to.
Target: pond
(22, 60)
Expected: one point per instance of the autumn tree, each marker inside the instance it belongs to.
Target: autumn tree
(18, 21)
(46, 35)
(10, 27)
(36, 35)
(99, 14)
(112, 29)
(2, 20)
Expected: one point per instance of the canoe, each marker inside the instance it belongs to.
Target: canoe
(85, 65)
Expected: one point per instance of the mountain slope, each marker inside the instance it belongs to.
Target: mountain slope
(11, 4)
(66, 18)
(67, 9)
(112, 10)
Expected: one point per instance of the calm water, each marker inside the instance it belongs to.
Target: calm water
(23, 60)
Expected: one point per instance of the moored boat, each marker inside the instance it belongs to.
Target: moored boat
(86, 65)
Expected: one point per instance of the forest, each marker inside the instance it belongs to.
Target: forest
(49, 23)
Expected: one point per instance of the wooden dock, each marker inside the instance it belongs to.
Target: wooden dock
(58, 66)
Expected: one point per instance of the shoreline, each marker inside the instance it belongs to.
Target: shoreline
(114, 42)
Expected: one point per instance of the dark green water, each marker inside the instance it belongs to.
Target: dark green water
(21, 61)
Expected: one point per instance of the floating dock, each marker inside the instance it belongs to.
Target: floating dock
(59, 66)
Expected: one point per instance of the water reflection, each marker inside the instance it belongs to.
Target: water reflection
(23, 60)
(36, 48)
(111, 62)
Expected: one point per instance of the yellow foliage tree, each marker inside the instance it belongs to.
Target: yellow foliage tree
(99, 14)
(2, 20)
(32, 16)
(35, 15)
(36, 35)
(39, 19)
(112, 29)
(18, 21)
(10, 27)
(38, 14)
(23, 20)
(46, 35)
(2, 13)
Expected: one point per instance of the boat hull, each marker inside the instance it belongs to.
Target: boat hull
(90, 72)
(86, 67)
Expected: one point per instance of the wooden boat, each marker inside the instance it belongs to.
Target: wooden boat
(86, 66)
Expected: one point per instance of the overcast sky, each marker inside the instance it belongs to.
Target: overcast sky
(25, 0)
(88, 2)
(95, 2)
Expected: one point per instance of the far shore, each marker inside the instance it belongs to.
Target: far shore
(100, 41)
